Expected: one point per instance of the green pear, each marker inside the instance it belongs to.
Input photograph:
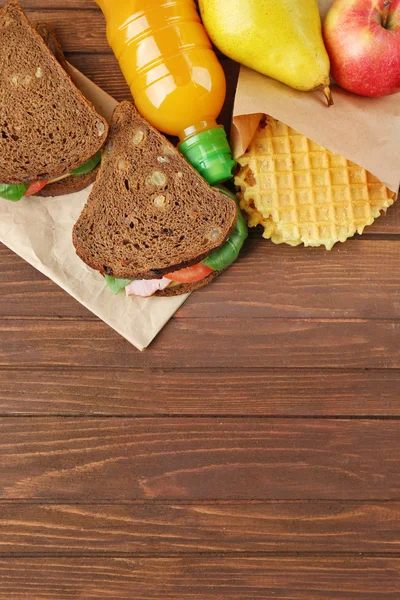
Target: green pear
(279, 38)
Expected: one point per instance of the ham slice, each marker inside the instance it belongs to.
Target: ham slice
(146, 287)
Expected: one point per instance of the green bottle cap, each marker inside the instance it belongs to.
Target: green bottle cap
(210, 154)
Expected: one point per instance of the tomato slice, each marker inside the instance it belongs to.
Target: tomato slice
(35, 187)
(190, 274)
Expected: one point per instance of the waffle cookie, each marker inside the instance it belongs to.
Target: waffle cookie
(302, 193)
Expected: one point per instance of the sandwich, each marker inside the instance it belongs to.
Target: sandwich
(50, 135)
(152, 225)
(85, 175)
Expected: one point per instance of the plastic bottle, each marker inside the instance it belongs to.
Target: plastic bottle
(175, 78)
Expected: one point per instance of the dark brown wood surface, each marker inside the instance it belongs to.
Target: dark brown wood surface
(252, 452)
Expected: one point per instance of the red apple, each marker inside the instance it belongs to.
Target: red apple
(363, 42)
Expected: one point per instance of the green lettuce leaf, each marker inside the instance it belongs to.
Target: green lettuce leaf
(115, 284)
(88, 166)
(12, 191)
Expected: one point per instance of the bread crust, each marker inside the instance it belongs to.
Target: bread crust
(49, 36)
(187, 288)
(69, 185)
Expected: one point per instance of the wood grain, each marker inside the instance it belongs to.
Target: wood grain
(222, 392)
(273, 281)
(101, 460)
(103, 70)
(215, 464)
(201, 578)
(78, 30)
(284, 281)
(205, 343)
(156, 529)
(64, 5)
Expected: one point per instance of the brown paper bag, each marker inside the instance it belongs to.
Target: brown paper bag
(40, 231)
(364, 130)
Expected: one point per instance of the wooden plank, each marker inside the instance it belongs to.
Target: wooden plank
(104, 71)
(389, 223)
(176, 529)
(201, 578)
(28, 292)
(78, 30)
(116, 459)
(284, 281)
(63, 5)
(266, 392)
(355, 280)
(205, 343)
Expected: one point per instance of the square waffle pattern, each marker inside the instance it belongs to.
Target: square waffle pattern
(303, 193)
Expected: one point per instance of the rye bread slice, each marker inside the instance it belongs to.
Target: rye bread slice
(72, 183)
(149, 212)
(49, 36)
(186, 288)
(69, 185)
(47, 127)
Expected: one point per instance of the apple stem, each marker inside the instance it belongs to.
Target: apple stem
(328, 95)
(385, 14)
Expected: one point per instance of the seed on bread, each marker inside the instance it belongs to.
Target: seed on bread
(109, 147)
(156, 178)
(168, 149)
(214, 234)
(160, 201)
(138, 137)
(122, 164)
(100, 128)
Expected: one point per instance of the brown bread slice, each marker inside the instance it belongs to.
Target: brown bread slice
(72, 183)
(69, 185)
(149, 212)
(186, 288)
(48, 35)
(47, 127)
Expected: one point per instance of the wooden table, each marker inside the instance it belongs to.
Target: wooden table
(252, 452)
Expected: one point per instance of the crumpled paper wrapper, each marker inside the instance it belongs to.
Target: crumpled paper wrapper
(364, 130)
(40, 231)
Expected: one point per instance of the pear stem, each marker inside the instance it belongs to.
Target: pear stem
(328, 95)
(385, 14)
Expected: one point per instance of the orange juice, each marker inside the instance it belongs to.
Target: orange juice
(174, 76)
